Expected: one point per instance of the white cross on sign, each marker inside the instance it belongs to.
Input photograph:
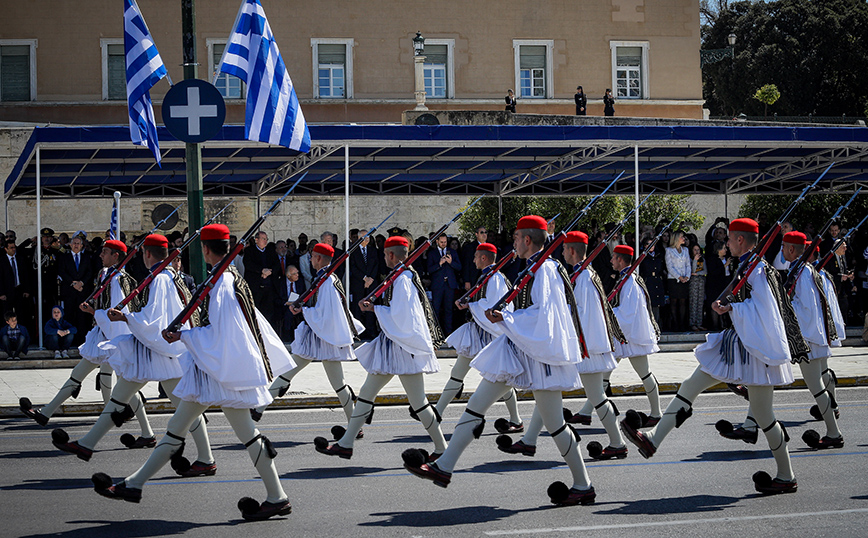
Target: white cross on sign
(193, 111)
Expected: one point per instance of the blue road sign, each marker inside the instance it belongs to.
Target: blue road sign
(193, 110)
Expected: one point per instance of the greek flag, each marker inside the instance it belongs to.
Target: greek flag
(273, 114)
(144, 69)
(114, 233)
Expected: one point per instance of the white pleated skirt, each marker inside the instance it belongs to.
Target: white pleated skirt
(469, 339)
(135, 362)
(750, 371)
(502, 361)
(622, 351)
(382, 356)
(598, 363)
(308, 345)
(90, 349)
(197, 386)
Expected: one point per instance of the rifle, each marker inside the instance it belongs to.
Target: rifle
(750, 263)
(525, 276)
(508, 257)
(320, 280)
(402, 266)
(217, 271)
(130, 254)
(165, 263)
(641, 257)
(599, 248)
(799, 265)
(838, 243)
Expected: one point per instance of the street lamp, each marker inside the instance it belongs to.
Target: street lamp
(710, 56)
(419, 63)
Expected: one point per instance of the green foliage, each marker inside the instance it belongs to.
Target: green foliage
(815, 52)
(768, 94)
(658, 209)
(815, 209)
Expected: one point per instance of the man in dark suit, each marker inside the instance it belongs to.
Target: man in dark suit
(364, 266)
(16, 294)
(260, 260)
(289, 289)
(76, 272)
(328, 238)
(444, 266)
(828, 241)
(469, 272)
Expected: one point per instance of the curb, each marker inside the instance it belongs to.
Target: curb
(300, 401)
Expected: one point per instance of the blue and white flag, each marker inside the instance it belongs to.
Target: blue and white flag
(114, 233)
(144, 69)
(273, 114)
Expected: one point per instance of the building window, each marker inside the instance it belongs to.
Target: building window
(533, 60)
(629, 70)
(332, 62)
(18, 70)
(436, 70)
(229, 86)
(114, 69)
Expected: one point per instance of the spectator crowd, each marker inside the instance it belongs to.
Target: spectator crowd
(684, 274)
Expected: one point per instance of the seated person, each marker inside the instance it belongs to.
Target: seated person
(14, 338)
(59, 333)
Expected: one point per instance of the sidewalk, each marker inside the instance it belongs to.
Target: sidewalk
(310, 388)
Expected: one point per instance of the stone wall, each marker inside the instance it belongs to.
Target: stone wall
(12, 142)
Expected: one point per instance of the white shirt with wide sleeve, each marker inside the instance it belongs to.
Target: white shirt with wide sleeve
(495, 288)
(164, 304)
(591, 315)
(809, 311)
(837, 317)
(758, 322)
(403, 321)
(327, 318)
(635, 322)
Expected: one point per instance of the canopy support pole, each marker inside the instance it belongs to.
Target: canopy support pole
(636, 196)
(347, 219)
(39, 246)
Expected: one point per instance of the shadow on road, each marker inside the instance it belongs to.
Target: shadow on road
(50, 484)
(732, 455)
(671, 505)
(134, 528)
(321, 473)
(467, 515)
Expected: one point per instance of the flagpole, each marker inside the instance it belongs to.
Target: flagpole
(193, 152)
(117, 230)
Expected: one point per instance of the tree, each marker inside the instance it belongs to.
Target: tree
(658, 209)
(813, 211)
(768, 95)
(816, 53)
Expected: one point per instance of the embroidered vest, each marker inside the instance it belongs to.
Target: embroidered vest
(614, 329)
(437, 337)
(616, 301)
(342, 294)
(523, 300)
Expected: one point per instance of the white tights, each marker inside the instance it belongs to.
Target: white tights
(549, 407)
(189, 412)
(456, 381)
(761, 399)
(640, 365)
(334, 371)
(414, 386)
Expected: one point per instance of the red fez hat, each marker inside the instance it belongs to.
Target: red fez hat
(325, 250)
(114, 244)
(624, 249)
(532, 222)
(156, 240)
(795, 238)
(488, 247)
(215, 232)
(744, 225)
(576, 237)
(397, 241)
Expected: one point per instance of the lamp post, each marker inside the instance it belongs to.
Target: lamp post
(710, 56)
(419, 61)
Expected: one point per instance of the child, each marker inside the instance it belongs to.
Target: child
(59, 333)
(14, 338)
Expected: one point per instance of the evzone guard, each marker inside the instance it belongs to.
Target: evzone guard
(539, 351)
(229, 362)
(326, 335)
(755, 352)
(816, 322)
(93, 357)
(632, 308)
(828, 375)
(469, 339)
(601, 329)
(143, 356)
(404, 348)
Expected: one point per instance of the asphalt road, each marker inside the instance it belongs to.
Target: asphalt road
(698, 484)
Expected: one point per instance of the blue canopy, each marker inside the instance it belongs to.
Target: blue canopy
(444, 159)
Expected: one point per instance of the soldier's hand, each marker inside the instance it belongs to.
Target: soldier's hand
(85, 307)
(494, 316)
(171, 336)
(116, 315)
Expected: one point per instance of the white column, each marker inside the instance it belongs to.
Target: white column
(636, 201)
(347, 220)
(419, 62)
(39, 246)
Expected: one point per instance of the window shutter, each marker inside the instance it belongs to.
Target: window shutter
(15, 73)
(332, 54)
(533, 56)
(117, 72)
(630, 56)
(436, 54)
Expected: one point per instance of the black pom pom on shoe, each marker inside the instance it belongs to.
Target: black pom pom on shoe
(633, 419)
(501, 425)
(413, 457)
(595, 449)
(320, 443)
(25, 403)
(762, 478)
(338, 432)
(723, 427)
(59, 436)
(558, 492)
(503, 441)
(101, 481)
(128, 440)
(811, 438)
(248, 505)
